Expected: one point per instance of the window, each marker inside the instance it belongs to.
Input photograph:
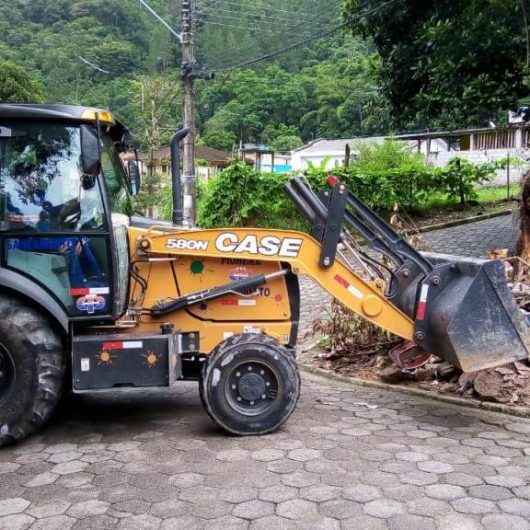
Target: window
(40, 180)
(74, 268)
(115, 178)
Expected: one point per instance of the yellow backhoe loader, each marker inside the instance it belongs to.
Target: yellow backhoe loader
(119, 302)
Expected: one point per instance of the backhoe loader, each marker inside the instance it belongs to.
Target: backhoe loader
(119, 302)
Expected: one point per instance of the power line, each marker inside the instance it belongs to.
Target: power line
(212, 3)
(323, 16)
(161, 20)
(92, 65)
(262, 15)
(253, 28)
(303, 42)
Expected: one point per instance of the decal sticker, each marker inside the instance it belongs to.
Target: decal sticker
(85, 364)
(123, 345)
(151, 359)
(91, 303)
(186, 244)
(350, 288)
(241, 273)
(422, 304)
(242, 262)
(246, 303)
(287, 247)
(105, 358)
(83, 291)
(229, 301)
(197, 267)
(251, 329)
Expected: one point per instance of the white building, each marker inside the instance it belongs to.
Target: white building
(476, 145)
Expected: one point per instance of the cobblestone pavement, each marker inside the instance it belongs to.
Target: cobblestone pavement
(349, 457)
(474, 239)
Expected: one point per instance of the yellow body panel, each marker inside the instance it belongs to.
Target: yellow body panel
(200, 259)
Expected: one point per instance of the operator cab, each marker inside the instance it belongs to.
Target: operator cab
(64, 205)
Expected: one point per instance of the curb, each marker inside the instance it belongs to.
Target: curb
(521, 412)
(465, 221)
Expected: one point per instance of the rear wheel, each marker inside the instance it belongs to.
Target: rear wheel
(250, 384)
(31, 370)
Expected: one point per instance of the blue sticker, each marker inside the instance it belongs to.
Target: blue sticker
(91, 303)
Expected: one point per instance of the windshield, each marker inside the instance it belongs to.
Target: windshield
(40, 180)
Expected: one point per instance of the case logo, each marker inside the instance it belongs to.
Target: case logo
(288, 247)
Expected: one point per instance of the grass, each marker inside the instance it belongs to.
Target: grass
(438, 208)
(486, 195)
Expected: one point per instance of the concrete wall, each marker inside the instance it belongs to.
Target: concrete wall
(520, 161)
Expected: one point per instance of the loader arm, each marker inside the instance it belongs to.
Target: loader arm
(299, 250)
(459, 309)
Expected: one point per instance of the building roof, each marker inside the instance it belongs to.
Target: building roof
(338, 146)
(202, 152)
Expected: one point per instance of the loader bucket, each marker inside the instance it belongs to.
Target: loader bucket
(465, 313)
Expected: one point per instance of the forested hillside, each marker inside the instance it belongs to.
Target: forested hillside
(393, 65)
(328, 87)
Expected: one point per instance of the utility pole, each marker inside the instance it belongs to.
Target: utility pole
(188, 108)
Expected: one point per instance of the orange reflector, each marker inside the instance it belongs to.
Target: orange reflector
(93, 114)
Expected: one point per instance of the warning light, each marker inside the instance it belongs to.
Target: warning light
(332, 181)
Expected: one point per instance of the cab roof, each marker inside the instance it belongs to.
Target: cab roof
(60, 112)
(67, 113)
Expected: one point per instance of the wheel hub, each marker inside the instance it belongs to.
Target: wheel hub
(7, 371)
(251, 387)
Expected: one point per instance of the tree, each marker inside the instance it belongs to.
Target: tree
(17, 85)
(156, 102)
(446, 63)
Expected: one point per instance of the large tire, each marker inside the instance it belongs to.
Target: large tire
(32, 368)
(250, 385)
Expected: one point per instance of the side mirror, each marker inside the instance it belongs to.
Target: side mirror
(135, 179)
(90, 154)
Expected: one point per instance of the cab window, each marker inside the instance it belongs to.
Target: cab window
(115, 178)
(40, 180)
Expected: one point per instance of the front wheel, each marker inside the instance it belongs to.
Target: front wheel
(32, 370)
(250, 385)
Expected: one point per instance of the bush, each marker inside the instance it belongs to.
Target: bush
(241, 196)
(382, 175)
(459, 179)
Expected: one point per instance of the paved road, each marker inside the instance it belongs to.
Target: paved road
(475, 239)
(349, 458)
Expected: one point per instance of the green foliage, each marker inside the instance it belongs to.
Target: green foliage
(16, 85)
(240, 196)
(383, 175)
(460, 178)
(335, 97)
(219, 139)
(449, 63)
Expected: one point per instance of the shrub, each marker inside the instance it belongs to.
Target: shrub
(382, 175)
(241, 196)
(459, 179)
